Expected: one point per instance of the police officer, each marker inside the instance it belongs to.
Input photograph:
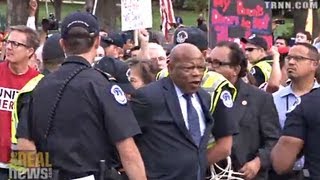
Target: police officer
(77, 113)
(256, 52)
(117, 69)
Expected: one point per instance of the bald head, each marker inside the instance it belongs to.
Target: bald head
(186, 67)
(185, 52)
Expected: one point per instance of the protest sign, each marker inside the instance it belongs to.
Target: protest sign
(136, 14)
(230, 20)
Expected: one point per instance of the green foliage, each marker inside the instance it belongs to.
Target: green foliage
(285, 30)
(195, 5)
(190, 5)
(202, 5)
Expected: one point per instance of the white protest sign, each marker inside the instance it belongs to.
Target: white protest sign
(136, 14)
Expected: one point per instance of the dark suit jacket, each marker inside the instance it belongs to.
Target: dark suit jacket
(259, 127)
(166, 146)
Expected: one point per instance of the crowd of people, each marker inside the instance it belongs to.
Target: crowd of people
(174, 110)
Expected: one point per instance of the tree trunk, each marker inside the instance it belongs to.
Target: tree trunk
(316, 24)
(88, 6)
(17, 12)
(299, 20)
(57, 9)
(106, 12)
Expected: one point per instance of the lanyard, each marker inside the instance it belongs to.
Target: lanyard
(287, 102)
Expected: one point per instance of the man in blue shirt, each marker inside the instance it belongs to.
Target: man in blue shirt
(301, 68)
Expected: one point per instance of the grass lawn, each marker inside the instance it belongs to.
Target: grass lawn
(189, 17)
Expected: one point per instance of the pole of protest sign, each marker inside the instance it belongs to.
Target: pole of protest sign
(47, 9)
(136, 37)
(309, 21)
(94, 7)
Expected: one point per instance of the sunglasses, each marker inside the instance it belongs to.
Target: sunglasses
(250, 49)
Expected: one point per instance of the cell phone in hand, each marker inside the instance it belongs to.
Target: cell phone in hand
(280, 21)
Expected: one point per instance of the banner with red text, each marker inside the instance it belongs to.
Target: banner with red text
(232, 19)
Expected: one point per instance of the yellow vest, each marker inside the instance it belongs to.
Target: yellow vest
(14, 118)
(162, 74)
(266, 68)
(212, 82)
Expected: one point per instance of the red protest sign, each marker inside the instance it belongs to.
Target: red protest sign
(232, 19)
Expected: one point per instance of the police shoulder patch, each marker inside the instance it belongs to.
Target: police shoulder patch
(118, 94)
(226, 99)
(295, 104)
(252, 71)
(182, 36)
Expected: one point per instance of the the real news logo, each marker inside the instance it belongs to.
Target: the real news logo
(30, 165)
(292, 5)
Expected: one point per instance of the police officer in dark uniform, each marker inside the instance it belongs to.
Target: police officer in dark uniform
(117, 69)
(77, 113)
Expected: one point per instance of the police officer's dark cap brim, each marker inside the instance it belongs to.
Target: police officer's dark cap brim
(259, 42)
(114, 39)
(80, 19)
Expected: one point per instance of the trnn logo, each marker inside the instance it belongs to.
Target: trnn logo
(288, 5)
(30, 165)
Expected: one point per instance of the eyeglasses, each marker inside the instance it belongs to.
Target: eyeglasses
(160, 58)
(215, 63)
(250, 49)
(14, 44)
(298, 58)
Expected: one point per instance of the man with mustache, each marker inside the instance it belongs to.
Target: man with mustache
(174, 116)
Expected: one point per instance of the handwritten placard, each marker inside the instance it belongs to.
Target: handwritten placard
(136, 14)
(233, 19)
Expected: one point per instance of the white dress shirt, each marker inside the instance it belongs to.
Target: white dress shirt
(196, 104)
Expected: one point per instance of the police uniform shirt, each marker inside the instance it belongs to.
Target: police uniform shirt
(224, 124)
(304, 123)
(23, 114)
(92, 116)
